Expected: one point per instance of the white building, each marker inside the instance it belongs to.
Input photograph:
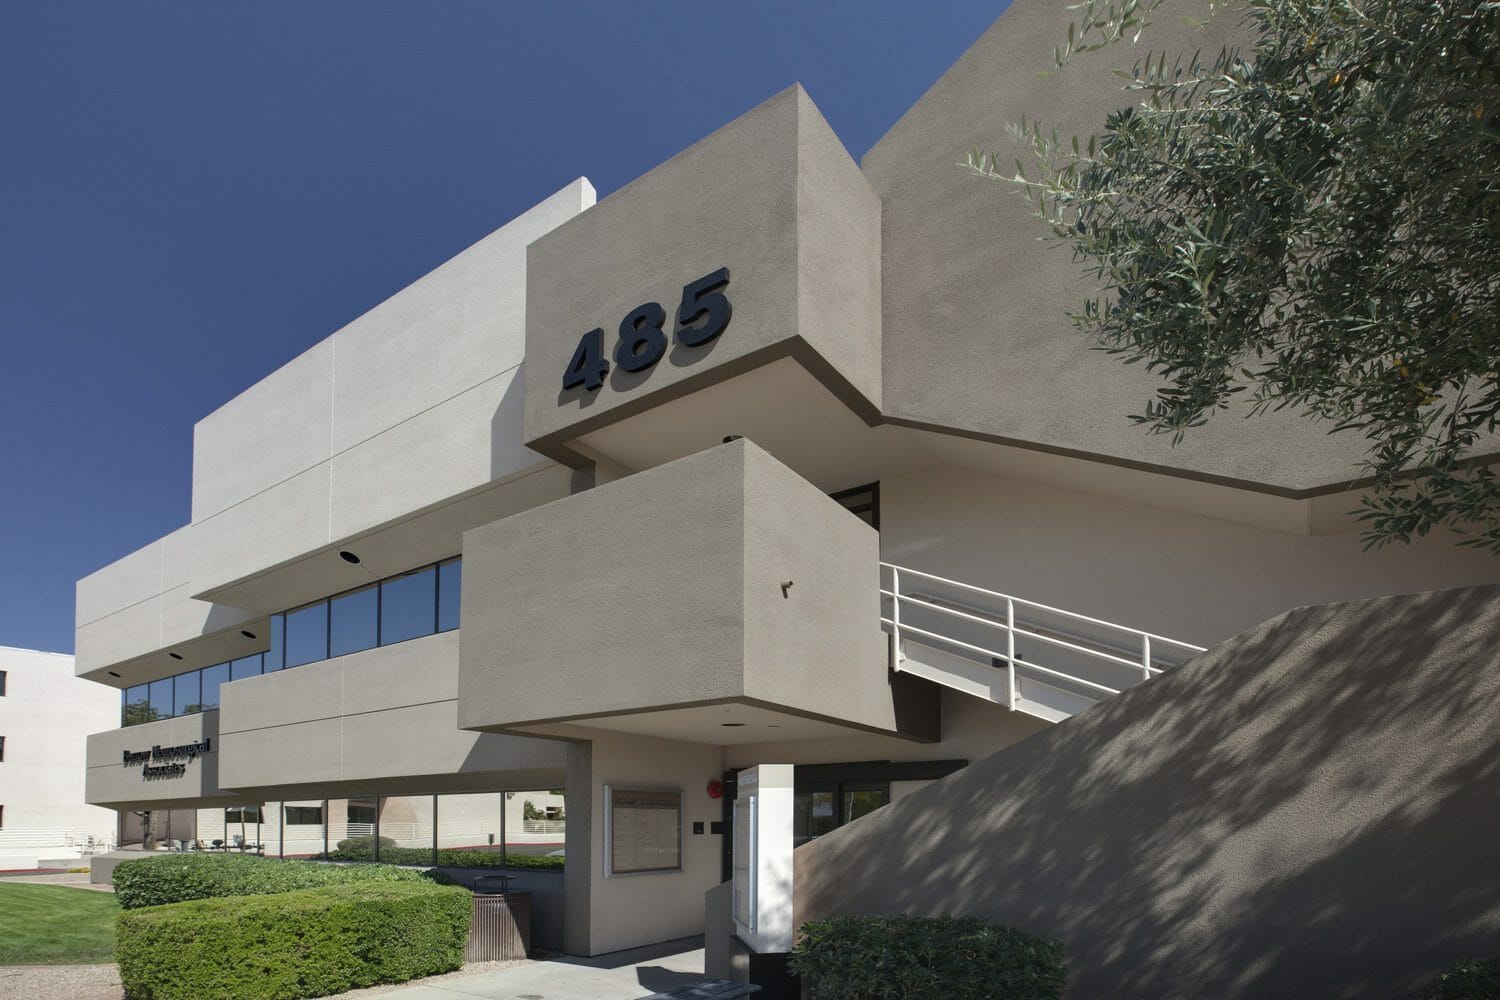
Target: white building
(617, 501)
(46, 716)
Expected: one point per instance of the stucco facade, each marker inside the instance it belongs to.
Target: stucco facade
(619, 501)
(46, 717)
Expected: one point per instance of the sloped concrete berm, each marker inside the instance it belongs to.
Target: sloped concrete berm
(1307, 810)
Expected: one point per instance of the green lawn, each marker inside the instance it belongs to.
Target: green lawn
(54, 925)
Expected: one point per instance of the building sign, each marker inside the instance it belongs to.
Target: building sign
(643, 831)
(703, 315)
(176, 769)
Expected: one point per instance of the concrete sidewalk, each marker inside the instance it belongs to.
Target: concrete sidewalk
(624, 975)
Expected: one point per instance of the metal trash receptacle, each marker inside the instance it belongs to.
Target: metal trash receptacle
(500, 927)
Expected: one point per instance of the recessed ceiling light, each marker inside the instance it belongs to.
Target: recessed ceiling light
(349, 557)
(731, 725)
(175, 656)
(247, 633)
(111, 673)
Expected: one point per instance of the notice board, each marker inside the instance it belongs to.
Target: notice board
(644, 830)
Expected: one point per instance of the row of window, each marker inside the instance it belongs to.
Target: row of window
(415, 604)
(467, 829)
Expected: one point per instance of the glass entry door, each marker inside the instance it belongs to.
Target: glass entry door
(825, 805)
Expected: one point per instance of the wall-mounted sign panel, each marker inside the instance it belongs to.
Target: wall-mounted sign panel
(642, 831)
(762, 889)
(631, 305)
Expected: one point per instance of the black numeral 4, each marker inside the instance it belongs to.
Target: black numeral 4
(588, 366)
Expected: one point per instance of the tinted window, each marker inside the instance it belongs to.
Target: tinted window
(189, 698)
(276, 655)
(450, 582)
(137, 706)
(352, 621)
(212, 677)
(161, 698)
(303, 815)
(307, 634)
(408, 606)
(245, 666)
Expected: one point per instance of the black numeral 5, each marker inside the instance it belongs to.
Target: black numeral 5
(704, 297)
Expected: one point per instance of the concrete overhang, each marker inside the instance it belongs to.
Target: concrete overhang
(427, 535)
(707, 599)
(775, 201)
(111, 782)
(378, 721)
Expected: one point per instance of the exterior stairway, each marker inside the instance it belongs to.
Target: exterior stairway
(1030, 657)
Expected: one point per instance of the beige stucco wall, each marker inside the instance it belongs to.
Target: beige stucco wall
(126, 613)
(110, 783)
(625, 911)
(774, 197)
(1197, 579)
(1308, 810)
(976, 330)
(380, 720)
(664, 589)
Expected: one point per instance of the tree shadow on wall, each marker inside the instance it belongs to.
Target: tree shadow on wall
(1309, 809)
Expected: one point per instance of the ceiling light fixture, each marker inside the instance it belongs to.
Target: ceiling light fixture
(247, 633)
(175, 656)
(349, 557)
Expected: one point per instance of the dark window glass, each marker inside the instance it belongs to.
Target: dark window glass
(352, 621)
(408, 606)
(2, 749)
(242, 814)
(307, 634)
(188, 699)
(812, 815)
(212, 677)
(450, 583)
(863, 502)
(304, 815)
(361, 811)
(137, 706)
(2, 683)
(245, 666)
(276, 655)
(862, 802)
(161, 698)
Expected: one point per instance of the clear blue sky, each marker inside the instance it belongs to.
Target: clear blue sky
(193, 193)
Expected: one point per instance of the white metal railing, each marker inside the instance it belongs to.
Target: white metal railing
(1007, 618)
(74, 839)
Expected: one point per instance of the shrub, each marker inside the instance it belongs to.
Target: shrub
(872, 958)
(306, 943)
(359, 848)
(1467, 980)
(173, 878)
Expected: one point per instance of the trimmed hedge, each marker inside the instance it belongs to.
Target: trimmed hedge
(174, 878)
(362, 849)
(1467, 980)
(290, 945)
(874, 958)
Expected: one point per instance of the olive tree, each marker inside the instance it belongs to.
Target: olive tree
(1310, 221)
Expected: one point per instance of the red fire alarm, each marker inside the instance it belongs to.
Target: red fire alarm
(716, 789)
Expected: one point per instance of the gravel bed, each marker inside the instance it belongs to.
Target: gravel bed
(102, 982)
(61, 982)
